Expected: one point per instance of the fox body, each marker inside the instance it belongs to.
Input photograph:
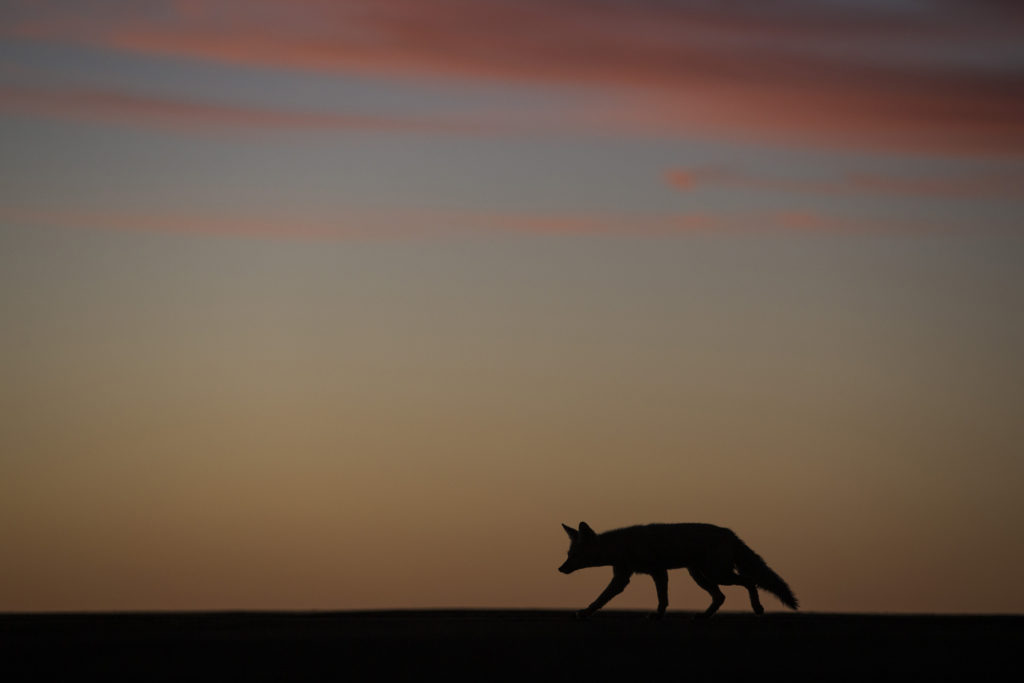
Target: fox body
(714, 556)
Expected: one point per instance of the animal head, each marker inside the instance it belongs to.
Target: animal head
(582, 548)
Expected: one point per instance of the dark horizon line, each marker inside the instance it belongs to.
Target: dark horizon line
(474, 611)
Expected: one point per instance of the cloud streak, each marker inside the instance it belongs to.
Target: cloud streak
(944, 77)
(104, 104)
(990, 184)
(414, 224)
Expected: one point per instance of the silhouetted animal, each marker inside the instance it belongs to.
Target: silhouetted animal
(714, 556)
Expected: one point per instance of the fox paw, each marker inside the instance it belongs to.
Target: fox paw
(581, 614)
(655, 616)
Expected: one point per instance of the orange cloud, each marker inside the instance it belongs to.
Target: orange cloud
(927, 79)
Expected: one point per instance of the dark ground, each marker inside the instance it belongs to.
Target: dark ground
(507, 645)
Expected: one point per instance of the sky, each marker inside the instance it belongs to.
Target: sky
(351, 304)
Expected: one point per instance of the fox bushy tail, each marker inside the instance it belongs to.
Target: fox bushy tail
(751, 565)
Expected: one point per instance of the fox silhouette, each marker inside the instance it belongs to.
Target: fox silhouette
(714, 556)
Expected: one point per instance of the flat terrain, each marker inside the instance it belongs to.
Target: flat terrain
(507, 645)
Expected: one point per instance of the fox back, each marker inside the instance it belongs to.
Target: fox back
(643, 548)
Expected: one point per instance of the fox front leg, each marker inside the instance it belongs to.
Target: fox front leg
(661, 585)
(618, 583)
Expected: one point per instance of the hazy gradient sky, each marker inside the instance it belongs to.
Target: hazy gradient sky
(340, 305)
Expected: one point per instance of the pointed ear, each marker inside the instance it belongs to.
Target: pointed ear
(586, 531)
(572, 532)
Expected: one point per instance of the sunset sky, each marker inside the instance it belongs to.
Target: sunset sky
(316, 304)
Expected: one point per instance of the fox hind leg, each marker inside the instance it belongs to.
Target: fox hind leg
(718, 568)
(740, 580)
(717, 596)
(755, 603)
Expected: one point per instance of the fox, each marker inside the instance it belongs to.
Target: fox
(714, 556)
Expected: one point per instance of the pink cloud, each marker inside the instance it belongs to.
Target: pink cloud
(994, 183)
(141, 109)
(411, 224)
(988, 184)
(182, 223)
(791, 71)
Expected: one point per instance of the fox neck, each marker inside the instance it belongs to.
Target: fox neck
(598, 554)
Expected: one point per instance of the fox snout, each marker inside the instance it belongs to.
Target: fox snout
(567, 568)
